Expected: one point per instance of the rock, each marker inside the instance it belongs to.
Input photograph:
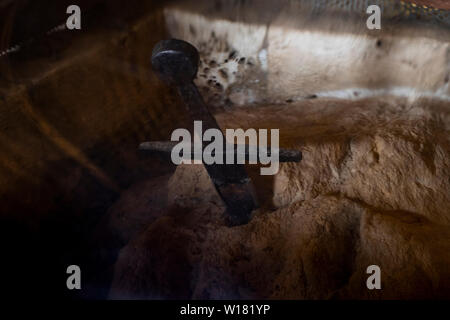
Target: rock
(408, 169)
(191, 186)
(371, 117)
(316, 249)
(372, 189)
(136, 208)
(412, 252)
(298, 53)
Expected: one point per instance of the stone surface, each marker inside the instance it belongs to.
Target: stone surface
(372, 189)
(291, 53)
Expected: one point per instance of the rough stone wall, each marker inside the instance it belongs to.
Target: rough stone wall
(372, 189)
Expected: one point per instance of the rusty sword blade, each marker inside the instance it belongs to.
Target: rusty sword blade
(176, 62)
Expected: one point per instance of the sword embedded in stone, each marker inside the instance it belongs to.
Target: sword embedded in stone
(176, 63)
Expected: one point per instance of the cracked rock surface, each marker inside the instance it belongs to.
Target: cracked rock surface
(372, 189)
